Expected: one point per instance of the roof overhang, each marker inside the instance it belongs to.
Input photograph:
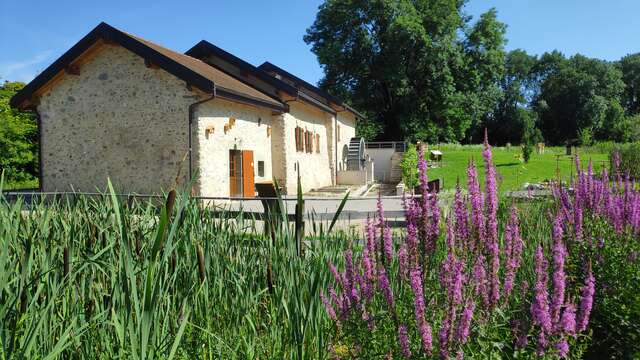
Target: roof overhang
(320, 95)
(285, 92)
(104, 34)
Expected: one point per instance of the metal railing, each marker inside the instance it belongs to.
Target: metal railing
(397, 146)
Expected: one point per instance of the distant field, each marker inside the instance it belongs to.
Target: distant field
(513, 173)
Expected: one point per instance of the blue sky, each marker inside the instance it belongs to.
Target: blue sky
(34, 33)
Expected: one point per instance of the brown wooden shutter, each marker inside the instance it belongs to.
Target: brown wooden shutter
(310, 142)
(298, 139)
(318, 143)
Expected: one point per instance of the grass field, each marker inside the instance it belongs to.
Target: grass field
(513, 173)
(21, 185)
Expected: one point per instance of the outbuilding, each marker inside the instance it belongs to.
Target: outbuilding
(119, 107)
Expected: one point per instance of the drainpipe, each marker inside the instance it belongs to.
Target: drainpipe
(335, 152)
(192, 112)
(40, 177)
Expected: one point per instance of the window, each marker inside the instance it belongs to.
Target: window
(261, 168)
(299, 139)
(338, 132)
(318, 143)
(308, 141)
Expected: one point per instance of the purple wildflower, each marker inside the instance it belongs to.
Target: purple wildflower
(540, 305)
(480, 280)
(328, 307)
(403, 339)
(586, 302)
(443, 336)
(559, 276)
(419, 309)
(562, 347)
(388, 243)
(464, 325)
(491, 197)
(477, 202)
(568, 321)
(385, 287)
(462, 227)
(513, 249)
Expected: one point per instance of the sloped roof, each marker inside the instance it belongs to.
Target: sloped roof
(204, 48)
(306, 87)
(193, 71)
(287, 83)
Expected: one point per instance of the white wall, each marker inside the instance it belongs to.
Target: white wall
(315, 170)
(382, 159)
(212, 151)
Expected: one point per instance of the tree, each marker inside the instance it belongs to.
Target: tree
(630, 68)
(517, 86)
(576, 94)
(419, 68)
(18, 138)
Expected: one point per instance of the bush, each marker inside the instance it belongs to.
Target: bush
(615, 319)
(629, 157)
(585, 136)
(486, 282)
(409, 166)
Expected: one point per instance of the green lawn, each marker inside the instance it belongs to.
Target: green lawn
(20, 185)
(513, 173)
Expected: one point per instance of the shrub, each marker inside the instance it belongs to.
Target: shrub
(472, 283)
(626, 159)
(409, 166)
(585, 136)
(527, 149)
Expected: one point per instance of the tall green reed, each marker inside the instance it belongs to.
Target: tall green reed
(103, 277)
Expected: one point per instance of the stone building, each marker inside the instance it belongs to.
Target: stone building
(118, 107)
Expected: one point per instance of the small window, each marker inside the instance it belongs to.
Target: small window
(299, 139)
(308, 142)
(338, 132)
(261, 168)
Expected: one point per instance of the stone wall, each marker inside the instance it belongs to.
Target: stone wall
(116, 119)
(249, 132)
(121, 120)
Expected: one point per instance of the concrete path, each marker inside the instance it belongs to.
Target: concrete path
(356, 208)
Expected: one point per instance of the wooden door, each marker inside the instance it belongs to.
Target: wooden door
(248, 184)
(235, 173)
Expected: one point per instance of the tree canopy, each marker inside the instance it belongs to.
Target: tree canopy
(419, 69)
(18, 138)
(425, 70)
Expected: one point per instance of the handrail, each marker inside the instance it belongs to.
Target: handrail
(399, 146)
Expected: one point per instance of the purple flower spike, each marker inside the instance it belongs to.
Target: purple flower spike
(328, 307)
(563, 348)
(586, 302)
(513, 250)
(464, 326)
(385, 287)
(419, 309)
(403, 340)
(540, 304)
(559, 276)
(568, 322)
